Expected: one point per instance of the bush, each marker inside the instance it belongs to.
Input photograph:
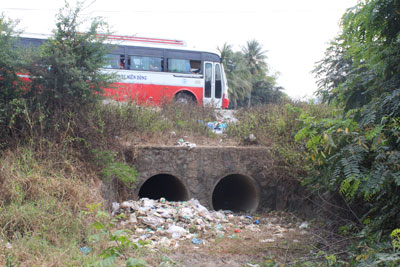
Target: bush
(66, 73)
(10, 84)
(275, 126)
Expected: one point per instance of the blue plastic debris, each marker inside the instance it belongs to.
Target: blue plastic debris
(85, 250)
(248, 217)
(223, 125)
(196, 241)
(257, 222)
(217, 126)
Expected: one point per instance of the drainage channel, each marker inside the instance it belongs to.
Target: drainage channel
(166, 186)
(235, 192)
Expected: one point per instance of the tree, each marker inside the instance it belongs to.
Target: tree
(238, 74)
(359, 150)
(8, 61)
(66, 74)
(226, 53)
(247, 75)
(255, 58)
(266, 92)
(10, 83)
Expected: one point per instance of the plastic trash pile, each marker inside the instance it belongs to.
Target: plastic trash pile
(184, 143)
(220, 125)
(164, 223)
(217, 127)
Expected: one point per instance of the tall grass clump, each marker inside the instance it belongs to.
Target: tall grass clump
(275, 126)
(41, 199)
(157, 125)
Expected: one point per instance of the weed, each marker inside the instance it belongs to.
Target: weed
(395, 235)
(275, 126)
(110, 168)
(119, 242)
(9, 260)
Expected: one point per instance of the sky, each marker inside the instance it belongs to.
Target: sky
(293, 33)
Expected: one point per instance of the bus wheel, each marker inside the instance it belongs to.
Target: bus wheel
(184, 98)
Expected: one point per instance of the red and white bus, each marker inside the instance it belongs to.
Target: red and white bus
(152, 70)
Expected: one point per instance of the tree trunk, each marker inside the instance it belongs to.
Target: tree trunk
(249, 100)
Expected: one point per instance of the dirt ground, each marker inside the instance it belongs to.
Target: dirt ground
(172, 140)
(280, 239)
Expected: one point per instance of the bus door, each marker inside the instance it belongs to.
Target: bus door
(212, 94)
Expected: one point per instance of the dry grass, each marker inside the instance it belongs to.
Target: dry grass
(41, 199)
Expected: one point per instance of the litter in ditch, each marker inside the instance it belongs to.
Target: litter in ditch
(162, 223)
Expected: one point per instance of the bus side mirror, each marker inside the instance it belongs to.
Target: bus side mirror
(230, 65)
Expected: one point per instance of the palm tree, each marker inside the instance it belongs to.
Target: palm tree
(226, 52)
(239, 77)
(255, 58)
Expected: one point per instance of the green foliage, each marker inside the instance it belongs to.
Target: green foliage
(374, 253)
(66, 74)
(395, 235)
(131, 262)
(10, 83)
(358, 162)
(275, 126)
(65, 79)
(9, 60)
(266, 92)
(9, 260)
(247, 75)
(119, 243)
(357, 151)
(255, 57)
(115, 169)
(237, 72)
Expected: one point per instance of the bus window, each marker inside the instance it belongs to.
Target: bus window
(178, 65)
(195, 66)
(218, 81)
(122, 62)
(207, 80)
(113, 61)
(145, 63)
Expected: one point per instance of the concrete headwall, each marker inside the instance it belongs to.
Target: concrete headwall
(242, 178)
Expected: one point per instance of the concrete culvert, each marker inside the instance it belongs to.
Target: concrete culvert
(236, 192)
(164, 185)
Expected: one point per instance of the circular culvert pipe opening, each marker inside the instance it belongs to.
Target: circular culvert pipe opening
(166, 186)
(236, 192)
